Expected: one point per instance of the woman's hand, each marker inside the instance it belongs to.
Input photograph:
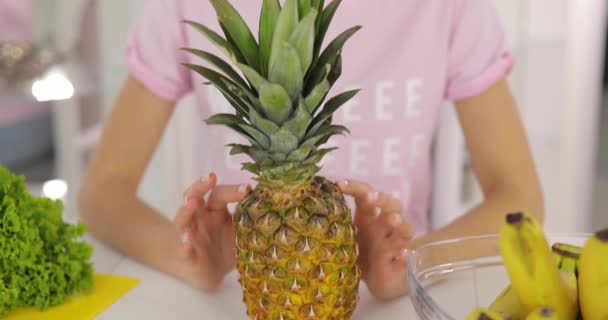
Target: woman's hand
(383, 237)
(207, 236)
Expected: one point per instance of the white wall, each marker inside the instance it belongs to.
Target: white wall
(168, 174)
(556, 44)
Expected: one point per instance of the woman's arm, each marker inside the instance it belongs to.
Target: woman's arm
(108, 201)
(502, 161)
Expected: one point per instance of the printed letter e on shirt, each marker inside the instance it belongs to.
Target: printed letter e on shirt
(412, 98)
(383, 99)
(358, 156)
(348, 116)
(390, 163)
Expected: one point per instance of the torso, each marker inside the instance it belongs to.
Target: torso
(399, 60)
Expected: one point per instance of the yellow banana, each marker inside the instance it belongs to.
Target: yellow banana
(543, 313)
(566, 249)
(508, 304)
(593, 277)
(485, 314)
(569, 256)
(561, 250)
(531, 267)
(568, 269)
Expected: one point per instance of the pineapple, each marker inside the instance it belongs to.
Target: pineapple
(295, 238)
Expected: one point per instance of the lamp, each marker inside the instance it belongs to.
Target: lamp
(33, 71)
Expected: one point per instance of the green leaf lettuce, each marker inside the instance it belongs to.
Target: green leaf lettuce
(42, 262)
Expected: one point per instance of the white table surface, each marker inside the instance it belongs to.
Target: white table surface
(161, 297)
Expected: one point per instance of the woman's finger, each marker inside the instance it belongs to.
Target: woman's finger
(186, 248)
(361, 192)
(387, 222)
(184, 215)
(224, 194)
(200, 188)
(399, 225)
(385, 202)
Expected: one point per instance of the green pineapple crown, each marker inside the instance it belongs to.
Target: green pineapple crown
(280, 103)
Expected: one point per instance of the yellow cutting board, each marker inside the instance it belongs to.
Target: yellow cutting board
(106, 290)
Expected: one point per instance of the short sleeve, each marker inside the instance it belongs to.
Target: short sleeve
(153, 50)
(478, 50)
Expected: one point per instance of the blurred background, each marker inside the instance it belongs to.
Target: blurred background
(61, 66)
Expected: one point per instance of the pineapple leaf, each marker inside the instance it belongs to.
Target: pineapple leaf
(336, 70)
(286, 70)
(330, 131)
(219, 63)
(257, 81)
(319, 4)
(281, 170)
(251, 167)
(255, 153)
(245, 96)
(239, 125)
(325, 19)
(286, 23)
(238, 148)
(222, 83)
(224, 119)
(318, 93)
(235, 27)
(304, 7)
(275, 102)
(228, 49)
(257, 135)
(276, 156)
(238, 104)
(267, 162)
(330, 107)
(266, 126)
(228, 120)
(329, 56)
(303, 39)
(301, 153)
(283, 141)
(239, 54)
(325, 133)
(268, 20)
(318, 155)
(300, 121)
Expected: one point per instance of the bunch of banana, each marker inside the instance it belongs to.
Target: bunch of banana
(485, 314)
(563, 281)
(593, 277)
(531, 266)
(566, 257)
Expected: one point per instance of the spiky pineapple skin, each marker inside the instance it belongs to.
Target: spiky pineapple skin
(297, 253)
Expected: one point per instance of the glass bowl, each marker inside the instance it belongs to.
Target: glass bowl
(448, 279)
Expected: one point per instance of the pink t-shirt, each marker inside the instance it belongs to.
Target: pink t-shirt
(408, 59)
